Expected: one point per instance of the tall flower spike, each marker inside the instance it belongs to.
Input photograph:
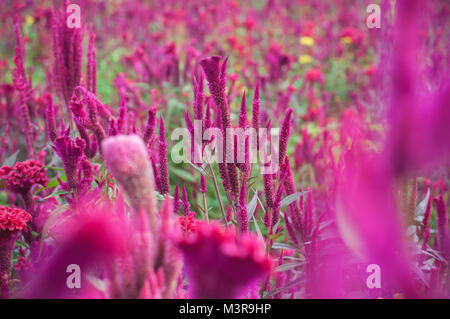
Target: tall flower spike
(268, 189)
(91, 67)
(185, 201)
(67, 52)
(50, 119)
(277, 206)
(216, 76)
(442, 225)
(151, 125)
(284, 135)
(242, 212)
(127, 159)
(198, 98)
(163, 169)
(202, 184)
(156, 175)
(122, 118)
(243, 113)
(255, 113)
(176, 199)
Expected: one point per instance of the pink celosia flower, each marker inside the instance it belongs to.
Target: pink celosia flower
(22, 176)
(242, 216)
(163, 169)
(126, 158)
(284, 135)
(12, 221)
(202, 184)
(218, 265)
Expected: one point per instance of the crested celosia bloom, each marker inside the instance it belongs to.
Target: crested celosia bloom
(12, 221)
(70, 152)
(22, 177)
(218, 265)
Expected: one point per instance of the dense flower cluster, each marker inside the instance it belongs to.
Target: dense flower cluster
(13, 219)
(23, 175)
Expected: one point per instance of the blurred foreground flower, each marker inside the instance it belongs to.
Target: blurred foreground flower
(220, 265)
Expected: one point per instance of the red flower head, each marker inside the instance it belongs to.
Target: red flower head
(23, 175)
(314, 75)
(12, 220)
(218, 265)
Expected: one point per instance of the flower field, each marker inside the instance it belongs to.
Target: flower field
(274, 149)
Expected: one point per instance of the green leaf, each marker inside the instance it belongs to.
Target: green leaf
(251, 206)
(291, 198)
(184, 174)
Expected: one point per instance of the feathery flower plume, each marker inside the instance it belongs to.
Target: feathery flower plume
(243, 113)
(255, 113)
(127, 160)
(163, 169)
(216, 76)
(185, 207)
(202, 184)
(198, 98)
(176, 199)
(50, 119)
(122, 118)
(442, 223)
(277, 206)
(242, 210)
(67, 53)
(284, 135)
(219, 265)
(23, 86)
(91, 66)
(151, 125)
(268, 189)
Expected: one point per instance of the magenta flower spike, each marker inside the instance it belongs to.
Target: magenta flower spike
(284, 135)
(243, 113)
(156, 175)
(91, 66)
(198, 98)
(216, 76)
(122, 119)
(268, 189)
(163, 169)
(176, 199)
(442, 224)
(151, 125)
(202, 184)
(276, 206)
(50, 119)
(242, 210)
(185, 207)
(67, 54)
(218, 265)
(255, 113)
